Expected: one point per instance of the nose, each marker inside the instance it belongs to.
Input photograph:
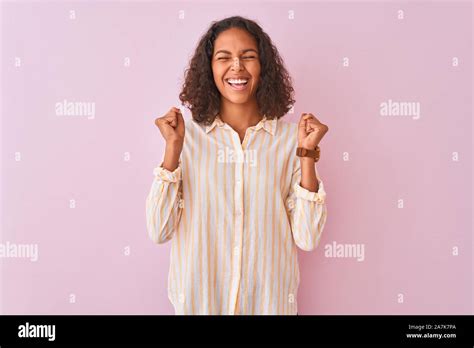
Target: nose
(236, 63)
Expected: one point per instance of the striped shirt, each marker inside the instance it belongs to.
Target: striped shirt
(235, 214)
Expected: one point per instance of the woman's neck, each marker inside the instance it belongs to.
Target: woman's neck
(240, 116)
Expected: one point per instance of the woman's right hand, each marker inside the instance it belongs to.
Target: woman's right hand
(171, 126)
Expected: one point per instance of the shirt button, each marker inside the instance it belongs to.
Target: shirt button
(236, 251)
(291, 204)
(238, 212)
(231, 311)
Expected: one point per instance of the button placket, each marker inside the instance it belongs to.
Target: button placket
(238, 227)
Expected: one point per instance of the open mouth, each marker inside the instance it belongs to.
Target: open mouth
(237, 84)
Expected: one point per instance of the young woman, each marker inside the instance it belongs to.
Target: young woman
(237, 191)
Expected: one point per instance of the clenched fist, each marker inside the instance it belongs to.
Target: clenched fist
(310, 131)
(171, 126)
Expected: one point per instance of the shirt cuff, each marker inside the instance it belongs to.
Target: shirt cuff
(318, 197)
(166, 175)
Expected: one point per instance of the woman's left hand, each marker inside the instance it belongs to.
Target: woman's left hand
(310, 131)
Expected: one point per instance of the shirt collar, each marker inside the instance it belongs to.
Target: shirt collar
(268, 124)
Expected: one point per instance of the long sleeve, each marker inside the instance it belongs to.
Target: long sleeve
(307, 211)
(164, 204)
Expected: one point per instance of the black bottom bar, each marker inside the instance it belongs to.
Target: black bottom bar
(302, 329)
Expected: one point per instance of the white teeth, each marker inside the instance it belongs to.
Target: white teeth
(236, 81)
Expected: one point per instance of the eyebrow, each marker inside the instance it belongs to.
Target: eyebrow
(242, 51)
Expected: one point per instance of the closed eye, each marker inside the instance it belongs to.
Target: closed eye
(242, 57)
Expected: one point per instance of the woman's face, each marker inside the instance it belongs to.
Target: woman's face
(236, 56)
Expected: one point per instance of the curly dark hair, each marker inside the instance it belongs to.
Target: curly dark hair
(200, 94)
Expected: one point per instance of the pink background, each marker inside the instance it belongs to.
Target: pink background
(82, 250)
